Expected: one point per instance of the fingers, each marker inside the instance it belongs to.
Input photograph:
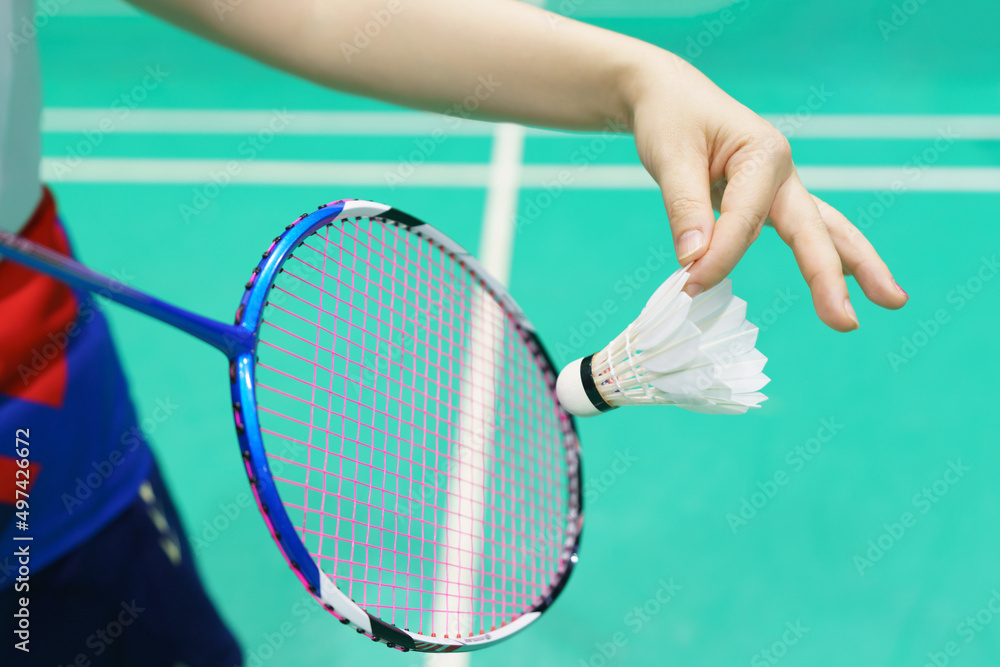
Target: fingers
(686, 195)
(718, 188)
(761, 187)
(860, 259)
(745, 201)
(800, 225)
(857, 256)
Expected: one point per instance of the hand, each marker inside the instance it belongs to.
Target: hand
(702, 145)
(572, 75)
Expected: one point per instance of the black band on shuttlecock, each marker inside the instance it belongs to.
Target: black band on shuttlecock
(589, 386)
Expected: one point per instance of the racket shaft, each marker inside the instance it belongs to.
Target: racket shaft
(228, 338)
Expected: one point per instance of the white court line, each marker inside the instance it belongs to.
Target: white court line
(496, 246)
(407, 123)
(466, 476)
(874, 126)
(476, 175)
(252, 121)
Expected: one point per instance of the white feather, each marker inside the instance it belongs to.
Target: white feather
(697, 354)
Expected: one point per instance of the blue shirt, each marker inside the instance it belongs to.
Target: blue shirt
(62, 383)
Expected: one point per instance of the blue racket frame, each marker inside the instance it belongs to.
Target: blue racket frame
(241, 375)
(238, 342)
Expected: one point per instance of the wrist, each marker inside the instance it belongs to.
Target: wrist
(651, 73)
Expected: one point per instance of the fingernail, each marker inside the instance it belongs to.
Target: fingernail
(850, 312)
(689, 243)
(693, 290)
(901, 290)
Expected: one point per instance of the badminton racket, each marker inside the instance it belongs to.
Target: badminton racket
(397, 420)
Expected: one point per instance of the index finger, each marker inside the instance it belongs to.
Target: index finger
(744, 207)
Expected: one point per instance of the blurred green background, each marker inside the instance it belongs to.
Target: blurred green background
(850, 521)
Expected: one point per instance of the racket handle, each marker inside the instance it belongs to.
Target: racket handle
(232, 340)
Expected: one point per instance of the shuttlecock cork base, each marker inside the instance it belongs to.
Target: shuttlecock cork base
(577, 390)
(697, 354)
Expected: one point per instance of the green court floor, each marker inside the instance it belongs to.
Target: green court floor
(853, 520)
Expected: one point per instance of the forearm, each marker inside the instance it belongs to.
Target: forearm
(555, 72)
(433, 54)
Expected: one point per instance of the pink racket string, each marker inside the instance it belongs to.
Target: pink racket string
(413, 439)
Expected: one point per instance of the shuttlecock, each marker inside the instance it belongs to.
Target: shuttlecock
(696, 353)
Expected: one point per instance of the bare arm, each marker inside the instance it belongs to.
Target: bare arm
(543, 69)
(526, 65)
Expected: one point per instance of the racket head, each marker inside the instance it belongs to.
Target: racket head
(391, 624)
